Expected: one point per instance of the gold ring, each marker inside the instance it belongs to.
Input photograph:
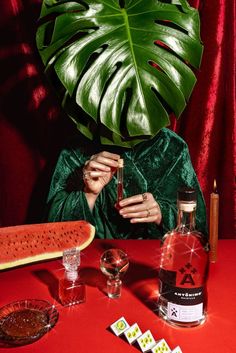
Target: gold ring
(86, 175)
(144, 196)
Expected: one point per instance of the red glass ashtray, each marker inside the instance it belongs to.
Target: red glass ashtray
(25, 321)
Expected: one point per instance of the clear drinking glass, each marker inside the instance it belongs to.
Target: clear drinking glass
(114, 263)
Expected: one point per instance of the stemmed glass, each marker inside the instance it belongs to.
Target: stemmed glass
(114, 263)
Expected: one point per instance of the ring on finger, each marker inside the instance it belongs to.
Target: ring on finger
(86, 175)
(144, 196)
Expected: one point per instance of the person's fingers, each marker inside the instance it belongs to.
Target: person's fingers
(104, 161)
(141, 208)
(152, 215)
(140, 202)
(144, 219)
(135, 199)
(94, 164)
(90, 174)
(136, 212)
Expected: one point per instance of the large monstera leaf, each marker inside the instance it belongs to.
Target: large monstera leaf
(120, 67)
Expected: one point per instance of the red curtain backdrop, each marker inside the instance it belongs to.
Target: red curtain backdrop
(33, 129)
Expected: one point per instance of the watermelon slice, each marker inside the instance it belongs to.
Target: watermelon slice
(24, 244)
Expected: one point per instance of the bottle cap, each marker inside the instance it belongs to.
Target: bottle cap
(121, 163)
(187, 194)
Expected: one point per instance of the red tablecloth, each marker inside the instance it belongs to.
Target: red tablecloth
(84, 328)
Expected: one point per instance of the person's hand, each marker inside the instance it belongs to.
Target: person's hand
(140, 208)
(98, 171)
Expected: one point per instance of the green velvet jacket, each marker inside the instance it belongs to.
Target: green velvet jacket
(159, 166)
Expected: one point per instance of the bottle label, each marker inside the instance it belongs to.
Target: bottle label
(183, 304)
(182, 296)
(183, 313)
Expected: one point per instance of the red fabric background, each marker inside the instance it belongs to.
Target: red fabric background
(32, 128)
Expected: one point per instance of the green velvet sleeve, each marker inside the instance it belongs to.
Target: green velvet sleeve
(66, 200)
(178, 173)
(159, 166)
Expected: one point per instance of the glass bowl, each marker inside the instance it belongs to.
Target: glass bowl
(25, 321)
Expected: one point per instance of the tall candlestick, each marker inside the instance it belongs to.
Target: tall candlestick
(214, 220)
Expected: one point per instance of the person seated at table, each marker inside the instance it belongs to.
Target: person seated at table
(84, 186)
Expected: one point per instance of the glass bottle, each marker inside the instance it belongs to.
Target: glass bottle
(120, 181)
(184, 268)
(71, 288)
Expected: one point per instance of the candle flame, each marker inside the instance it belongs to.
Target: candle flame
(215, 187)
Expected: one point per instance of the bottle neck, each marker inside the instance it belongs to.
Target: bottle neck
(71, 275)
(186, 216)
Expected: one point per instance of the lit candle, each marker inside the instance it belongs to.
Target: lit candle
(214, 220)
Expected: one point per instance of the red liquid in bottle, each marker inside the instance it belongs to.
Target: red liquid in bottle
(71, 292)
(120, 189)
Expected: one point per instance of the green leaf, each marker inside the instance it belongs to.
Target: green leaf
(126, 67)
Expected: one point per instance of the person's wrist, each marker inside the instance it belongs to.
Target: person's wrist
(87, 191)
(91, 197)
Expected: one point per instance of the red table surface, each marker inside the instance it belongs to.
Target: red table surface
(84, 328)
